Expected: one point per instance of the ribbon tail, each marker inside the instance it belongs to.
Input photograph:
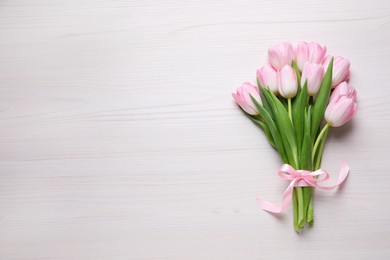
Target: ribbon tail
(286, 201)
(344, 171)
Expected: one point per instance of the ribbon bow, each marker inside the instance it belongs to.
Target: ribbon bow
(302, 178)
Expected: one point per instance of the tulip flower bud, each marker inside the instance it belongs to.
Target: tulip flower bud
(343, 89)
(313, 73)
(309, 52)
(302, 54)
(316, 52)
(243, 99)
(287, 82)
(340, 71)
(342, 105)
(267, 78)
(280, 55)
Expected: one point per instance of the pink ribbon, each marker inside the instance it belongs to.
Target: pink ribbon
(302, 178)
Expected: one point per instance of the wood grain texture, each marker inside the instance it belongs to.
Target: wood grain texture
(119, 138)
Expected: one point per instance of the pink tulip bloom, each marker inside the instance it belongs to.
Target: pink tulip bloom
(287, 82)
(280, 55)
(311, 52)
(340, 69)
(343, 89)
(267, 78)
(313, 73)
(242, 97)
(342, 105)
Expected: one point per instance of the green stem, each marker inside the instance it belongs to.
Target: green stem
(318, 141)
(295, 207)
(289, 108)
(310, 211)
(301, 207)
(307, 192)
(320, 145)
(317, 164)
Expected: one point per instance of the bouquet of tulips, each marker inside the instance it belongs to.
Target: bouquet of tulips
(301, 93)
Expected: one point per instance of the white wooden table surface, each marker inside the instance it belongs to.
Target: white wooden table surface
(119, 138)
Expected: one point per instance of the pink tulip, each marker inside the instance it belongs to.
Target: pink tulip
(342, 105)
(309, 52)
(313, 73)
(287, 82)
(267, 78)
(343, 89)
(280, 55)
(242, 97)
(340, 69)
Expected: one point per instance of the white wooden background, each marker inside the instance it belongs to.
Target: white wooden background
(119, 138)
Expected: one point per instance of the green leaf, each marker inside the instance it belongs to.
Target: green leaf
(284, 102)
(322, 100)
(273, 129)
(284, 124)
(306, 149)
(263, 99)
(265, 128)
(299, 116)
